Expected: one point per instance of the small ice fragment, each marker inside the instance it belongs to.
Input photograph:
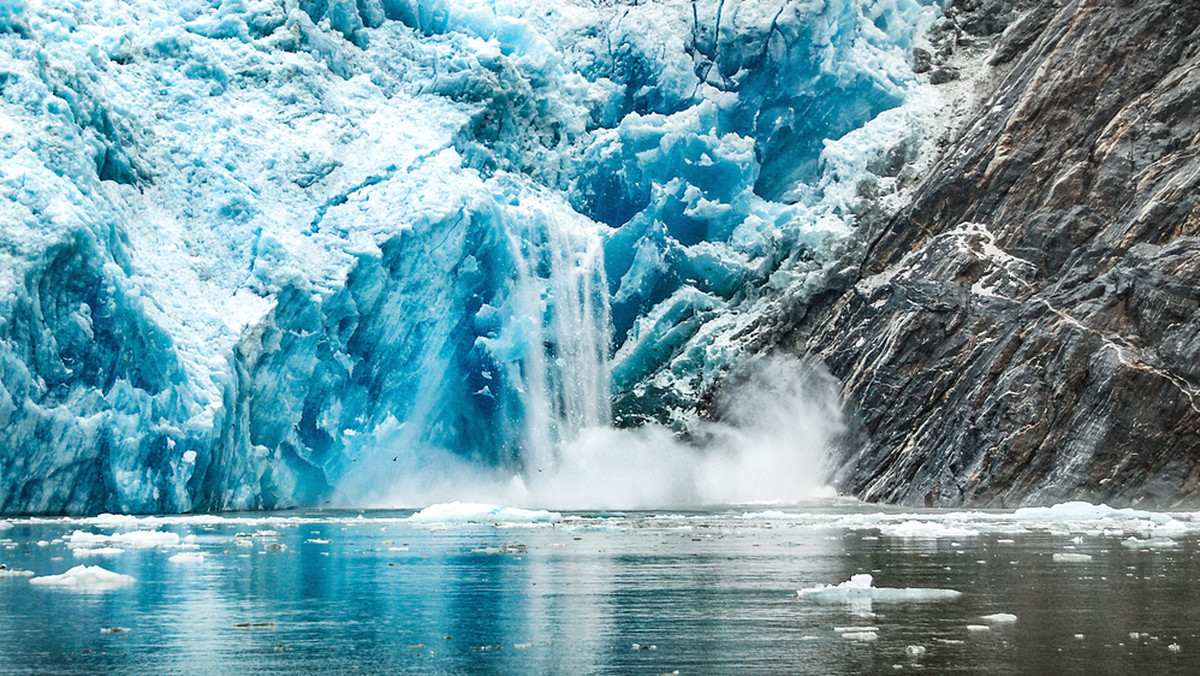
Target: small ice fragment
(860, 635)
(522, 646)
(187, 557)
(5, 571)
(85, 578)
(978, 627)
(189, 457)
(1174, 647)
(1152, 543)
(1078, 637)
(1134, 635)
(915, 650)
(1005, 541)
(999, 618)
(843, 630)
(97, 551)
(113, 630)
(318, 541)
(461, 512)
(1071, 557)
(859, 588)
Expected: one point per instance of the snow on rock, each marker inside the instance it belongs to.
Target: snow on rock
(465, 512)
(85, 578)
(859, 588)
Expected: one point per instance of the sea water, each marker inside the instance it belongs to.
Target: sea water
(482, 589)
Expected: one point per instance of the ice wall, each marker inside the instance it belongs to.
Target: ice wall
(262, 253)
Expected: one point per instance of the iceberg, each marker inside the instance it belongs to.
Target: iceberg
(459, 512)
(276, 253)
(85, 578)
(860, 589)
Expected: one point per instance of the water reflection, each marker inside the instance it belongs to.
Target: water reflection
(711, 593)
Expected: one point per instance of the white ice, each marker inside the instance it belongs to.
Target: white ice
(85, 578)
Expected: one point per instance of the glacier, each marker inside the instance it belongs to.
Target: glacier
(275, 253)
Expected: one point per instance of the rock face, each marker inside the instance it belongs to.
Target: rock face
(1027, 329)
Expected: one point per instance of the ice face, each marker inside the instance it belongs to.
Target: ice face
(275, 253)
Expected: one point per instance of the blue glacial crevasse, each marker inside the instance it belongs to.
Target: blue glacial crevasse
(272, 253)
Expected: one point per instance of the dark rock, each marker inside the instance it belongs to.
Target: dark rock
(1028, 329)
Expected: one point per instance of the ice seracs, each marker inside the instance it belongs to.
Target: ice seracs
(412, 233)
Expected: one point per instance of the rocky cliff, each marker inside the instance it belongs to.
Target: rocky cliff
(1026, 330)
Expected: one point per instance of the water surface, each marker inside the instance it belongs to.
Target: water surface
(693, 592)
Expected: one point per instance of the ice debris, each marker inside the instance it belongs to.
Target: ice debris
(1071, 557)
(137, 538)
(85, 578)
(466, 512)
(999, 618)
(187, 557)
(860, 588)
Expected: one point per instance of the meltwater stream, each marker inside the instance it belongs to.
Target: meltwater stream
(1074, 589)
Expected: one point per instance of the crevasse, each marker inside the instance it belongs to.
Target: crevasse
(265, 253)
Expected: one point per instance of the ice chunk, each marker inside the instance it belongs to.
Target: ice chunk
(1151, 543)
(14, 572)
(81, 552)
(927, 530)
(860, 635)
(859, 588)
(999, 618)
(138, 539)
(85, 578)
(464, 512)
(978, 628)
(187, 557)
(1071, 557)
(915, 651)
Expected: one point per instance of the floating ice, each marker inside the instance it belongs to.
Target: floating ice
(465, 512)
(1071, 557)
(187, 557)
(81, 552)
(999, 618)
(859, 589)
(927, 530)
(860, 635)
(14, 572)
(915, 651)
(978, 628)
(85, 578)
(139, 539)
(1152, 543)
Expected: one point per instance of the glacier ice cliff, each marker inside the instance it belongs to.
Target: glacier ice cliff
(267, 253)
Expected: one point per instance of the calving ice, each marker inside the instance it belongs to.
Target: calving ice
(271, 253)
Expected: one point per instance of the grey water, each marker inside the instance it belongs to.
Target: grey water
(708, 592)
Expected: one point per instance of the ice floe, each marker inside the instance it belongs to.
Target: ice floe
(467, 512)
(860, 588)
(85, 578)
(138, 539)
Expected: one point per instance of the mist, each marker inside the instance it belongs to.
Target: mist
(776, 418)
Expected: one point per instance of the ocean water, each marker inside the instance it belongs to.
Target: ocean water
(470, 589)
